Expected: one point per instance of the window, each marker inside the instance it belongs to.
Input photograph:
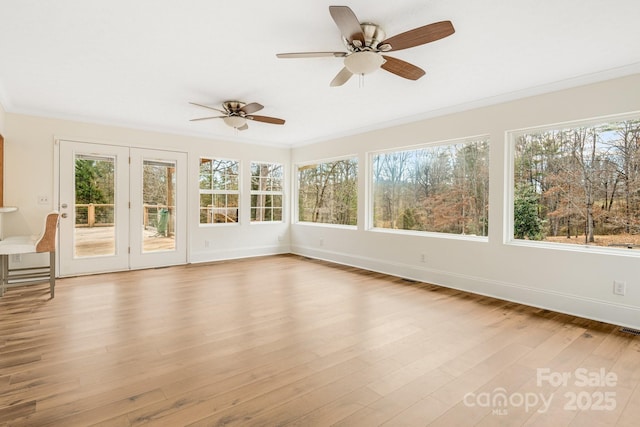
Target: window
(266, 192)
(328, 192)
(578, 184)
(219, 193)
(441, 188)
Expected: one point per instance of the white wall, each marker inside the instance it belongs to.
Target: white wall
(577, 282)
(29, 164)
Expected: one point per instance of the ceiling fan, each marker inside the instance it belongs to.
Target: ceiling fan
(236, 114)
(366, 42)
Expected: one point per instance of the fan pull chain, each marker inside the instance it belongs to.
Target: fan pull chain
(360, 81)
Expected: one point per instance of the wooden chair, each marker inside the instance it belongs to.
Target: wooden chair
(46, 242)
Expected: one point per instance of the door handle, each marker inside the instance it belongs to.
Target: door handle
(64, 215)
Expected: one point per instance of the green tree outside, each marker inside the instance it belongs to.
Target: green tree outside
(526, 222)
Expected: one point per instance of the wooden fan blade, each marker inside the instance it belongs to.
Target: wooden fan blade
(252, 108)
(420, 35)
(402, 68)
(207, 118)
(206, 106)
(311, 54)
(341, 78)
(265, 119)
(347, 22)
(243, 127)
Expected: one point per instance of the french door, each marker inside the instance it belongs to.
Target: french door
(122, 208)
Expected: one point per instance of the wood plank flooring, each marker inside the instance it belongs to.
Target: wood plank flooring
(284, 340)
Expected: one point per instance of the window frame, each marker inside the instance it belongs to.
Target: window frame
(371, 187)
(296, 192)
(272, 193)
(213, 192)
(511, 137)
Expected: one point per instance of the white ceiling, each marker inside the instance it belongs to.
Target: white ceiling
(139, 63)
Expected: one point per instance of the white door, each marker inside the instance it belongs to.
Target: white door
(121, 208)
(158, 208)
(94, 228)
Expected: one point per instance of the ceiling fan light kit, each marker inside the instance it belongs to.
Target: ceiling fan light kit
(235, 121)
(363, 62)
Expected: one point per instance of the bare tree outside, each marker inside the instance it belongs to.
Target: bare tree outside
(328, 192)
(585, 182)
(440, 188)
(266, 191)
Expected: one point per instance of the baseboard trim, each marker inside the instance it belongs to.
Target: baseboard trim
(576, 305)
(246, 252)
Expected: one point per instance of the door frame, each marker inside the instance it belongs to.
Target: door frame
(184, 195)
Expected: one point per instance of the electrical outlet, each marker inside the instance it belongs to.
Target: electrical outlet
(619, 288)
(321, 242)
(207, 243)
(280, 237)
(43, 200)
(423, 258)
(16, 257)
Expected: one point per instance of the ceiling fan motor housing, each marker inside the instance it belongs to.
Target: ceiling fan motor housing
(373, 35)
(234, 107)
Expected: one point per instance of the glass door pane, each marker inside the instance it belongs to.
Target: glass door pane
(95, 227)
(158, 201)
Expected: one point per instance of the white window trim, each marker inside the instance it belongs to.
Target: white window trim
(509, 199)
(280, 193)
(218, 192)
(296, 191)
(370, 185)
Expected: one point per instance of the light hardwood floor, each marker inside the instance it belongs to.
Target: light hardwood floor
(284, 340)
